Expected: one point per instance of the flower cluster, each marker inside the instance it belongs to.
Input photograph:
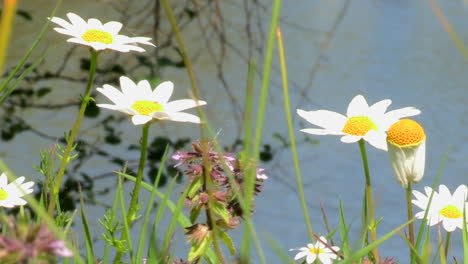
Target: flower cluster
(27, 240)
(227, 174)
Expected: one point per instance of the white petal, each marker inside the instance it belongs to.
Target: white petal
(116, 96)
(64, 31)
(350, 139)
(448, 225)
(76, 20)
(421, 200)
(128, 86)
(180, 105)
(184, 117)
(311, 258)
(18, 181)
(113, 27)
(145, 88)
(460, 194)
(380, 107)
(142, 40)
(163, 92)
(318, 131)
(61, 22)
(419, 162)
(420, 215)
(111, 107)
(300, 255)
(329, 120)
(377, 139)
(94, 23)
(3, 180)
(398, 161)
(97, 45)
(444, 192)
(397, 114)
(357, 107)
(325, 258)
(141, 119)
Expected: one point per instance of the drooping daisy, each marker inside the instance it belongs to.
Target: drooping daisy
(144, 104)
(11, 193)
(444, 207)
(317, 250)
(361, 121)
(97, 35)
(406, 143)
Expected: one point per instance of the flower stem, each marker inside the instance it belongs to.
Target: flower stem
(133, 208)
(207, 183)
(71, 138)
(369, 200)
(409, 205)
(447, 244)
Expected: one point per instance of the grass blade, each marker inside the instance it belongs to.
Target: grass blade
(143, 232)
(87, 233)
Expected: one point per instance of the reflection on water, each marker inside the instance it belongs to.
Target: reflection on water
(381, 49)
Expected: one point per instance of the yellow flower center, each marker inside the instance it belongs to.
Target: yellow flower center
(359, 125)
(451, 211)
(406, 132)
(3, 194)
(316, 250)
(144, 107)
(95, 35)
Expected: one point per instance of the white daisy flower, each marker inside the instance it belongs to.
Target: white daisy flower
(406, 143)
(444, 207)
(10, 194)
(97, 35)
(145, 105)
(317, 250)
(361, 121)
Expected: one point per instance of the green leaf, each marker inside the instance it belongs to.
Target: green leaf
(88, 237)
(198, 250)
(228, 241)
(195, 185)
(194, 213)
(221, 210)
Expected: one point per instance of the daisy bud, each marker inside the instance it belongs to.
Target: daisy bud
(406, 143)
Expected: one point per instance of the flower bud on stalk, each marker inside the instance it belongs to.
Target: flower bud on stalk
(406, 143)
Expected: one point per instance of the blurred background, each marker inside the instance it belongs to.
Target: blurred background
(335, 49)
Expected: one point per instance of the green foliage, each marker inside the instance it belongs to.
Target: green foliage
(111, 225)
(227, 241)
(197, 250)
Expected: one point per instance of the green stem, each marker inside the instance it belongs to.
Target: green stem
(73, 133)
(409, 205)
(133, 208)
(369, 198)
(447, 244)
